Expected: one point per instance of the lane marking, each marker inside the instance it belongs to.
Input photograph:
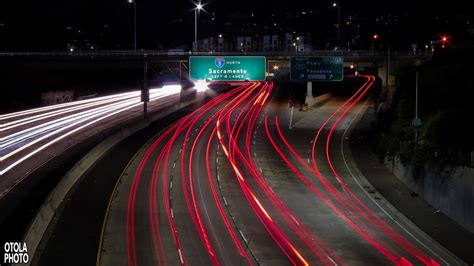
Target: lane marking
(364, 106)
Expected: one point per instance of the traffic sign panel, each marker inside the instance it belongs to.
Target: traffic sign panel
(416, 123)
(227, 68)
(317, 68)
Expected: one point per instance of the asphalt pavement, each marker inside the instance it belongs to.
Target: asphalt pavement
(73, 237)
(232, 183)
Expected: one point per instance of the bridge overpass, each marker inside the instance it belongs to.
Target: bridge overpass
(178, 55)
(174, 60)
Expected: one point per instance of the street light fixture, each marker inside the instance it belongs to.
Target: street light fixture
(338, 22)
(375, 37)
(132, 2)
(197, 10)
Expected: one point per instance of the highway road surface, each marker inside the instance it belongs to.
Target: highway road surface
(231, 184)
(29, 138)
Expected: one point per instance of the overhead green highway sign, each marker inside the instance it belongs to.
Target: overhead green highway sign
(317, 68)
(227, 68)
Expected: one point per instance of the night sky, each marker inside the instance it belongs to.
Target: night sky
(50, 24)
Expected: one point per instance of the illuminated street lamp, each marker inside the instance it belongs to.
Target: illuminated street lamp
(338, 22)
(197, 10)
(132, 2)
(375, 37)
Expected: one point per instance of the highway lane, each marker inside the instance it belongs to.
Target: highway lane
(171, 207)
(368, 234)
(228, 184)
(30, 138)
(187, 202)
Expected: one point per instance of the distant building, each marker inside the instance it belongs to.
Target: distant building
(275, 43)
(267, 43)
(288, 42)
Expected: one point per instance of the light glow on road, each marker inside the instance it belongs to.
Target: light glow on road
(58, 123)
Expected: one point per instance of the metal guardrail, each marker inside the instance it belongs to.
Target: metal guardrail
(166, 53)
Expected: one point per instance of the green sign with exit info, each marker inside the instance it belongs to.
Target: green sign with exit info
(227, 68)
(317, 68)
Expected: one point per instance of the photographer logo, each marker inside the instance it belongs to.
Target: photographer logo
(15, 252)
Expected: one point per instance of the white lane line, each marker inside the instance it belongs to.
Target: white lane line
(242, 234)
(294, 219)
(181, 256)
(225, 201)
(332, 260)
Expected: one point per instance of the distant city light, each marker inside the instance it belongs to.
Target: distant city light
(444, 40)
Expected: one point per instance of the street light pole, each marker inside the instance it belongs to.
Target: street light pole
(416, 94)
(417, 122)
(195, 29)
(196, 14)
(132, 2)
(338, 23)
(374, 39)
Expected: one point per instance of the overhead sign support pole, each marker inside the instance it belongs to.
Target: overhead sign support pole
(145, 95)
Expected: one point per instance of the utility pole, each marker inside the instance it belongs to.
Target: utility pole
(290, 126)
(416, 107)
(416, 123)
(388, 94)
(135, 24)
